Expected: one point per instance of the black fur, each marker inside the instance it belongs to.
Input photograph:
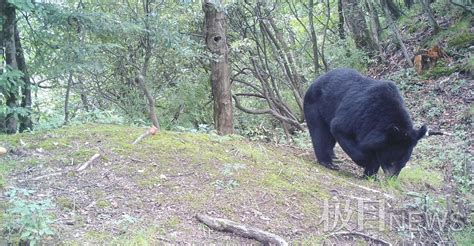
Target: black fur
(366, 117)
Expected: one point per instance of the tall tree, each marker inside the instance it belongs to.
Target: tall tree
(340, 24)
(25, 118)
(8, 43)
(375, 27)
(427, 9)
(394, 10)
(396, 33)
(355, 20)
(215, 37)
(314, 38)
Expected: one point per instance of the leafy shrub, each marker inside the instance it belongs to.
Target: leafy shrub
(27, 221)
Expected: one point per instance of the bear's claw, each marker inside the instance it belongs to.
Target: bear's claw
(330, 165)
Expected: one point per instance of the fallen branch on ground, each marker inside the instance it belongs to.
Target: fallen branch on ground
(348, 233)
(371, 190)
(87, 163)
(241, 230)
(149, 132)
(46, 176)
(435, 133)
(41, 177)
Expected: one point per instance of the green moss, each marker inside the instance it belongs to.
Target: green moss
(196, 200)
(141, 237)
(97, 236)
(65, 203)
(461, 40)
(103, 203)
(172, 222)
(419, 176)
(442, 69)
(464, 237)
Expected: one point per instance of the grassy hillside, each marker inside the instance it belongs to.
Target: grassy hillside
(150, 192)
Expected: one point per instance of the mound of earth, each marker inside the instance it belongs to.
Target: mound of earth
(152, 191)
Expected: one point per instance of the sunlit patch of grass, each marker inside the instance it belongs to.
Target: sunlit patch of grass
(419, 176)
(464, 237)
(141, 237)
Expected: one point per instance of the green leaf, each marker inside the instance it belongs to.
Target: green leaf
(22, 5)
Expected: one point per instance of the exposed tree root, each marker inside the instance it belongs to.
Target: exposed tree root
(225, 225)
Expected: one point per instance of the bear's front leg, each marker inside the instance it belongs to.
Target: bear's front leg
(371, 170)
(352, 149)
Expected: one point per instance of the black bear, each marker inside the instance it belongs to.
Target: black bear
(367, 117)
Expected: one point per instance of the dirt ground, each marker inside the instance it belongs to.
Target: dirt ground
(151, 192)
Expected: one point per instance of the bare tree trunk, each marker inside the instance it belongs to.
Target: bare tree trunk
(8, 13)
(25, 120)
(396, 13)
(396, 33)
(215, 36)
(340, 24)
(151, 101)
(140, 79)
(375, 27)
(66, 98)
(429, 13)
(314, 39)
(326, 26)
(355, 20)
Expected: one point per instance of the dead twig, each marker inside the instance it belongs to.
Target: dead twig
(87, 163)
(42, 177)
(435, 133)
(149, 132)
(241, 230)
(353, 233)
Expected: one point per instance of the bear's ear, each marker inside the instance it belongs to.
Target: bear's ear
(422, 132)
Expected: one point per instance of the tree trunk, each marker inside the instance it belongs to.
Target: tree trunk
(66, 98)
(394, 10)
(427, 9)
(396, 33)
(375, 27)
(314, 39)
(8, 13)
(326, 27)
(340, 24)
(215, 37)
(25, 120)
(355, 20)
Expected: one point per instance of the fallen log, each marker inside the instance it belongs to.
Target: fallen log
(242, 230)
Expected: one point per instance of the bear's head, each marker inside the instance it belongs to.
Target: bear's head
(398, 149)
